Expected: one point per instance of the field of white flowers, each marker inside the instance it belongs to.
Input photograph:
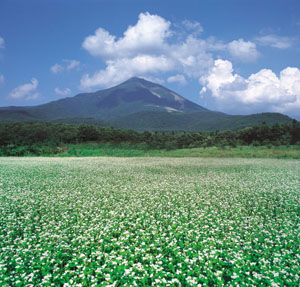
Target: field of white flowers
(149, 222)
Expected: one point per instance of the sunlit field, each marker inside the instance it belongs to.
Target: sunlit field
(149, 222)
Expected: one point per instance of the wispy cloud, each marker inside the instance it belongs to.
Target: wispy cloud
(56, 68)
(275, 41)
(1, 79)
(67, 65)
(61, 92)
(2, 43)
(177, 79)
(26, 91)
(193, 27)
(71, 64)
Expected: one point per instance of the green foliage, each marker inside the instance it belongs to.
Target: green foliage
(20, 139)
(88, 133)
(195, 121)
(142, 150)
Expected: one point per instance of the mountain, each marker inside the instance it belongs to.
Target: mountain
(136, 104)
(134, 95)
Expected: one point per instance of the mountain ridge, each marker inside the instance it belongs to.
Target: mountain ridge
(138, 104)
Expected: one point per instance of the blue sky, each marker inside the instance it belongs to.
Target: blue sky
(234, 56)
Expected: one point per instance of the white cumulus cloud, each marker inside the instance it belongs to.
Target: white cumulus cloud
(219, 76)
(26, 91)
(244, 51)
(147, 35)
(61, 92)
(275, 41)
(192, 57)
(177, 79)
(145, 50)
(262, 91)
(122, 69)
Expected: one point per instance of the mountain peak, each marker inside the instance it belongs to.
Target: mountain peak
(135, 80)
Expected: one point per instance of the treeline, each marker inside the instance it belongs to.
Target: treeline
(18, 139)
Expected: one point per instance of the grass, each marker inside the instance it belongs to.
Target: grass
(127, 150)
(108, 221)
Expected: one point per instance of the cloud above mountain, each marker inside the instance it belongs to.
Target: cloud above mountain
(124, 68)
(149, 47)
(154, 47)
(263, 90)
(26, 91)
(147, 36)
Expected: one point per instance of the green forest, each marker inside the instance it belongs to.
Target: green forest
(32, 138)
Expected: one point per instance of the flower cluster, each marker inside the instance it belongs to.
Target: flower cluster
(149, 222)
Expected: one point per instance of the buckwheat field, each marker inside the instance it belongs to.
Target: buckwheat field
(149, 222)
